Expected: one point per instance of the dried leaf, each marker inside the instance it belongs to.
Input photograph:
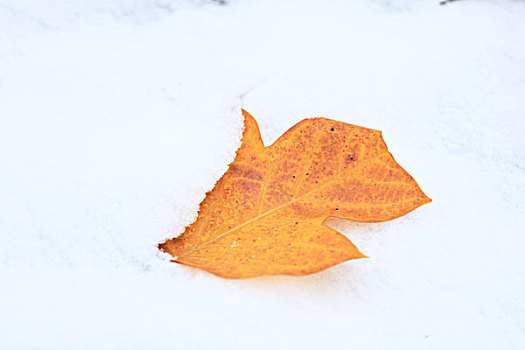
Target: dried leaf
(265, 215)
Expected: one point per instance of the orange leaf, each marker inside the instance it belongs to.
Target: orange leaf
(265, 215)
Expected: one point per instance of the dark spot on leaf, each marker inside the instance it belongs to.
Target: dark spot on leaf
(307, 173)
(332, 129)
(293, 176)
(336, 208)
(351, 158)
(296, 223)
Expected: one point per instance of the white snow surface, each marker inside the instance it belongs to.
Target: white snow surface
(117, 116)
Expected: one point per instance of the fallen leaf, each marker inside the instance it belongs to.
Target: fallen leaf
(265, 215)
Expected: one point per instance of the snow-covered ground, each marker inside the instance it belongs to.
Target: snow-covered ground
(117, 116)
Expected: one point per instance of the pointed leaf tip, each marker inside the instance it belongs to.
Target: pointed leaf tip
(251, 135)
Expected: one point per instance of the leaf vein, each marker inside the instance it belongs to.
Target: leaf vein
(264, 186)
(308, 163)
(197, 235)
(274, 209)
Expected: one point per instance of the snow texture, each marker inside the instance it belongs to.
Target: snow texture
(117, 116)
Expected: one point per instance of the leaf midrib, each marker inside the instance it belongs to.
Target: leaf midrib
(197, 247)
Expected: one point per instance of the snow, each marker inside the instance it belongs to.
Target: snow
(117, 117)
